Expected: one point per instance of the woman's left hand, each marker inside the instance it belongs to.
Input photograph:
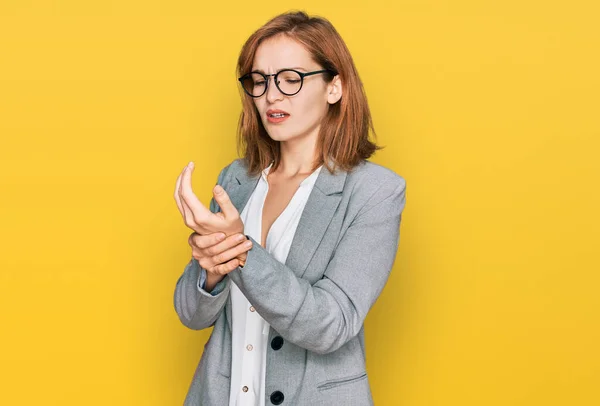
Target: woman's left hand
(200, 219)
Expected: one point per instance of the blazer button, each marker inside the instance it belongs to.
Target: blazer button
(277, 343)
(277, 397)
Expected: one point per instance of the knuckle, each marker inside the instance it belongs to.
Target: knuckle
(204, 262)
(211, 243)
(198, 243)
(218, 258)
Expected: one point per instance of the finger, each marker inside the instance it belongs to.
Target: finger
(188, 217)
(224, 269)
(232, 252)
(185, 210)
(198, 212)
(205, 241)
(177, 198)
(242, 259)
(229, 242)
(225, 203)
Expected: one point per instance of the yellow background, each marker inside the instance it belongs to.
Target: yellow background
(489, 110)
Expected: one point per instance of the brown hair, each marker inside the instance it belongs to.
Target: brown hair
(344, 133)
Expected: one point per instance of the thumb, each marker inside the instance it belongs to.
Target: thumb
(224, 202)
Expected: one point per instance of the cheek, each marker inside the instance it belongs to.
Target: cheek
(314, 106)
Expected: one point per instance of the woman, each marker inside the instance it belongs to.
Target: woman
(301, 233)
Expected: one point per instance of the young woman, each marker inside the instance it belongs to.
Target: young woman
(301, 234)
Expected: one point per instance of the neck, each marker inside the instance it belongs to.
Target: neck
(298, 156)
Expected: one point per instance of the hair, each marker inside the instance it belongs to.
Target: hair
(343, 138)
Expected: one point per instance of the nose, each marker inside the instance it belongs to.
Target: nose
(273, 93)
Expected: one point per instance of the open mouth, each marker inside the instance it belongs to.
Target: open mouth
(276, 116)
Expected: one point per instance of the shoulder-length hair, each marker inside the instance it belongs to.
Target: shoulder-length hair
(343, 139)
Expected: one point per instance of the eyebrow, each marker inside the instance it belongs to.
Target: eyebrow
(263, 72)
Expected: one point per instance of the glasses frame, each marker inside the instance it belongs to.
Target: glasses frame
(266, 77)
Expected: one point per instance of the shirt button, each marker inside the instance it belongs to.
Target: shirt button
(249, 347)
(245, 389)
(252, 308)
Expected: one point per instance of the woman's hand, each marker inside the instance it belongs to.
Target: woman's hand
(200, 219)
(218, 254)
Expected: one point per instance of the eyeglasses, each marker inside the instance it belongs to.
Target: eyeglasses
(288, 81)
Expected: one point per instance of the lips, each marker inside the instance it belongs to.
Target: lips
(275, 116)
(277, 113)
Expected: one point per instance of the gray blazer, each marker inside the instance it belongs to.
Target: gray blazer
(339, 261)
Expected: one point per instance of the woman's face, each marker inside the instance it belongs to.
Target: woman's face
(307, 108)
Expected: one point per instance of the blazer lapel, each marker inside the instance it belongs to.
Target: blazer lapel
(241, 189)
(316, 216)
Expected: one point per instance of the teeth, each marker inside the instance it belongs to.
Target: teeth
(278, 115)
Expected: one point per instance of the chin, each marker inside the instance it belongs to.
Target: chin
(279, 135)
(278, 138)
(285, 133)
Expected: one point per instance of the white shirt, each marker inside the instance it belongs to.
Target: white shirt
(250, 331)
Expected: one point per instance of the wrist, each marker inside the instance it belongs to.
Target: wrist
(211, 281)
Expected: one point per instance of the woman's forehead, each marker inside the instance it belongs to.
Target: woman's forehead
(280, 53)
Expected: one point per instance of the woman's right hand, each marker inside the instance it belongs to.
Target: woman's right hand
(219, 255)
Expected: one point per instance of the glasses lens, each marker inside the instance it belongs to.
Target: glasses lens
(254, 84)
(289, 82)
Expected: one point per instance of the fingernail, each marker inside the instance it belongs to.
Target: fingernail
(191, 165)
(220, 237)
(218, 189)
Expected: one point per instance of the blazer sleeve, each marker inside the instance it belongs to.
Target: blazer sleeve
(198, 309)
(324, 316)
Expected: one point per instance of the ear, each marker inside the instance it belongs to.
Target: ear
(334, 90)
